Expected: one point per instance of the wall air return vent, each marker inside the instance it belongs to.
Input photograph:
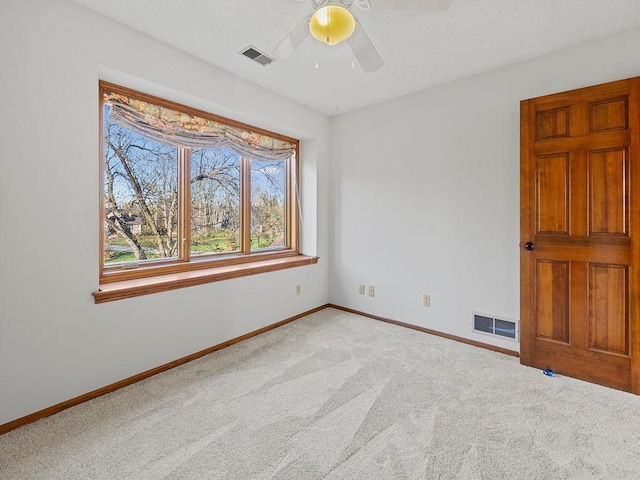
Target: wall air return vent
(257, 56)
(495, 326)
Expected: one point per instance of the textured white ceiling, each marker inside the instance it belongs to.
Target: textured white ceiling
(420, 49)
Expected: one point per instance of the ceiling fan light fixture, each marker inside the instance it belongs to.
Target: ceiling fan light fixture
(332, 24)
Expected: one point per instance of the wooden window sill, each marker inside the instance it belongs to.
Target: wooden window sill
(145, 286)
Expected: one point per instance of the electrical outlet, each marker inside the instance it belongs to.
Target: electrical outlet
(361, 290)
(372, 291)
(426, 300)
(297, 289)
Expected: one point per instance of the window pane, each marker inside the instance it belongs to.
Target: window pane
(268, 205)
(140, 197)
(215, 201)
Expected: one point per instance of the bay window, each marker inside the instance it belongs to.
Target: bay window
(184, 189)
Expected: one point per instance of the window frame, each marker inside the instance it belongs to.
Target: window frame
(185, 262)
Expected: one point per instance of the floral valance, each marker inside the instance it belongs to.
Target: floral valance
(190, 131)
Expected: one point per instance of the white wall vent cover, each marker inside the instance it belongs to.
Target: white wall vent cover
(495, 326)
(257, 56)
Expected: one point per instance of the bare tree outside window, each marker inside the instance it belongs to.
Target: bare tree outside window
(267, 205)
(141, 198)
(215, 201)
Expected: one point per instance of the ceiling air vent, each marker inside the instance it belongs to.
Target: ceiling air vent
(257, 56)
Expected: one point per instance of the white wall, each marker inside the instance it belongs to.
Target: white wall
(425, 191)
(55, 343)
(437, 215)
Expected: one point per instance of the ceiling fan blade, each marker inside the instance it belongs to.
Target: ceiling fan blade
(364, 51)
(293, 40)
(410, 4)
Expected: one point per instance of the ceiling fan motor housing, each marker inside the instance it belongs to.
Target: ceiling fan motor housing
(316, 4)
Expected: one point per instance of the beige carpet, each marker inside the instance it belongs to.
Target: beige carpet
(338, 396)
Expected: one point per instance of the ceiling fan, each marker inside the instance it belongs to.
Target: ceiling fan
(332, 22)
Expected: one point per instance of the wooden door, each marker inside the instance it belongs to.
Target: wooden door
(580, 223)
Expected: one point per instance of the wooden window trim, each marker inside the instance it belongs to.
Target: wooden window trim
(117, 282)
(121, 289)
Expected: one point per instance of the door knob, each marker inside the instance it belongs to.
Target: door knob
(529, 245)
